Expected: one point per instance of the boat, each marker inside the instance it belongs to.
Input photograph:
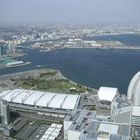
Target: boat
(40, 66)
(16, 64)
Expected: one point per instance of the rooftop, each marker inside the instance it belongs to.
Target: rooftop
(107, 93)
(42, 99)
(80, 119)
(105, 130)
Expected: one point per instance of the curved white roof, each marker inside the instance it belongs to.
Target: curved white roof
(107, 93)
(42, 99)
(133, 92)
(57, 101)
(67, 104)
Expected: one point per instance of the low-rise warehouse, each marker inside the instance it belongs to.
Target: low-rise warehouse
(106, 96)
(107, 93)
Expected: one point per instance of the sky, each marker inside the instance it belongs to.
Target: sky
(70, 11)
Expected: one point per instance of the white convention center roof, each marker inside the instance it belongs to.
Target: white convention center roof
(42, 99)
(58, 101)
(67, 104)
(107, 93)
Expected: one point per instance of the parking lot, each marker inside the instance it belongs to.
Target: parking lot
(29, 130)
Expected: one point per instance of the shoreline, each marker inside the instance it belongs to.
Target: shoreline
(97, 48)
(35, 73)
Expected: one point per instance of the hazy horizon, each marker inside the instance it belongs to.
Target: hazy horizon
(72, 11)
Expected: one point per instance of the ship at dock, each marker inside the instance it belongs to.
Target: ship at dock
(17, 63)
(14, 64)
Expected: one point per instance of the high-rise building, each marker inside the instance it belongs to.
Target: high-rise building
(4, 112)
(133, 92)
(127, 110)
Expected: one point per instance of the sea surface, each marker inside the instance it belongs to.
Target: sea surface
(90, 67)
(127, 39)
